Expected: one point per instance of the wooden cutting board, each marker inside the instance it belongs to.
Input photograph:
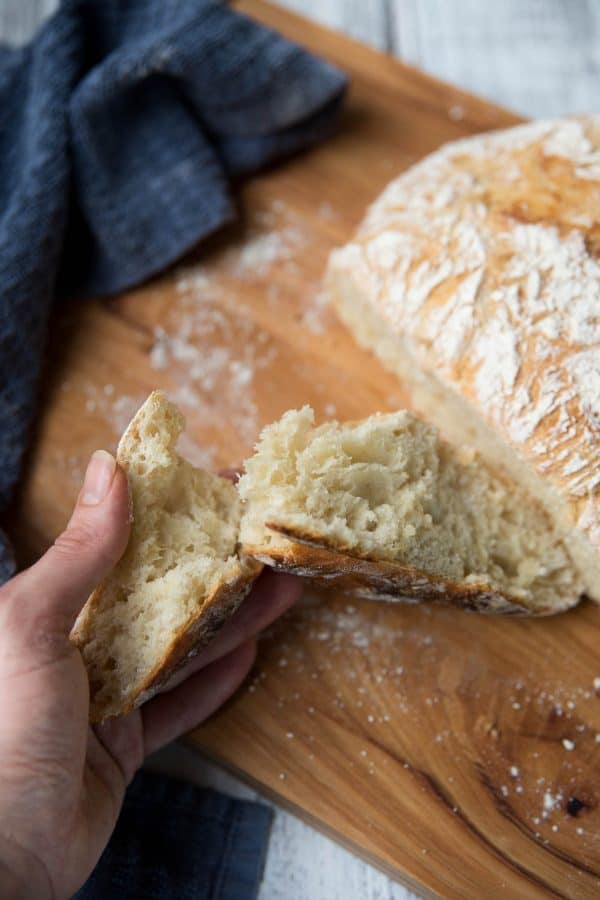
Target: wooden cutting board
(459, 753)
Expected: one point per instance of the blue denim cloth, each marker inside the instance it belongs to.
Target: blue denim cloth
(174, 841)
(121, 126)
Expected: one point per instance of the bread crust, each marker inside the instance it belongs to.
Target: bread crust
(184, 644)
(475, 276)
(364, 576)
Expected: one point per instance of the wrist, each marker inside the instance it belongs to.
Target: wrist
(22, 875)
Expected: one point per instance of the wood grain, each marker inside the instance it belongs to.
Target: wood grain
(457, 752)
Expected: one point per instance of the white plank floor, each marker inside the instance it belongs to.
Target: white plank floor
(538, 57)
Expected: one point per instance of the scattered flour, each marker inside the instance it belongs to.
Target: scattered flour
(275, 236)
(208, 348)
(327, 212)
(213, 353)
(378, 670)
(316, 307)
(456, 113)
(551, 801)
(116, 409)
(260, 253)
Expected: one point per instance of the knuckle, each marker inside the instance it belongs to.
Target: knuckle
(78, 538)
(83, 538)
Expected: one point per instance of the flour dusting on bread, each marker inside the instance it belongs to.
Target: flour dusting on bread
(476, 277)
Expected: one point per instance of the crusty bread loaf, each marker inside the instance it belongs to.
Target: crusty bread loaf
(180, 578)
(389, 510)
(475, 277)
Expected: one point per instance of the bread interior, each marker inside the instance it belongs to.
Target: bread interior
(389, 488)
(183, 546)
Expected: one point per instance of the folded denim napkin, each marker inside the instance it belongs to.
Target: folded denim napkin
(121, 126)
(174, 841)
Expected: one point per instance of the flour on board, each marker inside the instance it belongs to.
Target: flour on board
(213, 354)
(336, 662)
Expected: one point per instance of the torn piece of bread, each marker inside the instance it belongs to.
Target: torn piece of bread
(389, 510)
(180, 578)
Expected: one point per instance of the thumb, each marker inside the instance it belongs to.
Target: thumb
(52, 592)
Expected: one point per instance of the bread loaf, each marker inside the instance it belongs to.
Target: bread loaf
(386, 509)
(475, 277)
(180, 578)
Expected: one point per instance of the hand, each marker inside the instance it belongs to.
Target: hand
(62, 782)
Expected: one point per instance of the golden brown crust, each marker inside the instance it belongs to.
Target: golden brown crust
(184, 644)
(376, 579)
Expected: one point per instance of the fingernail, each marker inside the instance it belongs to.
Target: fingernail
(98, 478)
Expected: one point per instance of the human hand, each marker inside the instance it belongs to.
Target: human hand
(61, 782)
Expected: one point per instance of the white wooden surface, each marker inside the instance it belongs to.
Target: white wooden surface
(302, 864)
(538, 57)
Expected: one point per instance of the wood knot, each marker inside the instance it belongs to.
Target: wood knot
(574, 806)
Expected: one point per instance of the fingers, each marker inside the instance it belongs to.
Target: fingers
(58, 585)
(167, 716)
(270, 597)
(123, 738)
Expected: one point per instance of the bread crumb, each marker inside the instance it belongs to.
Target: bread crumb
(327, 211)
(456, 113)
